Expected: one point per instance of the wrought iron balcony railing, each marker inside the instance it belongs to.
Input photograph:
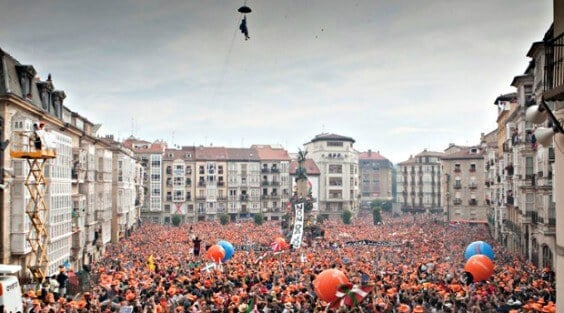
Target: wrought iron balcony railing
(554, 70)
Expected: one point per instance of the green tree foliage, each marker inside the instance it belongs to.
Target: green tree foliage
(346, 216)
(387, 206)
(376, 217)
(224, 219)
(258, 219)
(176, 219)
(321, 218)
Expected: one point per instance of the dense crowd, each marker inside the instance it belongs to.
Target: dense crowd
(417, 265)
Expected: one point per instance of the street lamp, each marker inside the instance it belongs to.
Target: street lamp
(537, 114)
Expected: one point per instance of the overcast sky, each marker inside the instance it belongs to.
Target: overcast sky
(397, 76)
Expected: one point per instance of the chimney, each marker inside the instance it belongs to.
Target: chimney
(369, 152)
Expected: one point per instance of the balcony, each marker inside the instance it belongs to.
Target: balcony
(265, 170)
(264, 183)
(509, 200)
(201, 198)
(201, 184)
(554, 69)
(457, 185)
(457, 201)
(472, 202)
(275, 183)
(473, 185)
(244, 198)
(220, 183)
(275, 170)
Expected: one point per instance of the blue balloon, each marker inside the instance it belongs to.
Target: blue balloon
(229, 250)
(479, 247)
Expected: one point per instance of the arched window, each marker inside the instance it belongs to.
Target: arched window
(546, 257)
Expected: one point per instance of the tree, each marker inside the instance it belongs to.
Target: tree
(224, 219)
(387, 206)
(346, 216)
(376, 217)
(176, 219)
(258, 219)
(321, 218)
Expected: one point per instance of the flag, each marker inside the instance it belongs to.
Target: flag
(252, 307)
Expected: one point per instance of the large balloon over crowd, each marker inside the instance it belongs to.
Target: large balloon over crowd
(405, 264)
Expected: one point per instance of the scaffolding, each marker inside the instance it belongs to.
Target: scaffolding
(25, 146)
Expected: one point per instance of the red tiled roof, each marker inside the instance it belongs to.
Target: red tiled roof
(155, 147)
(211, 153)
(242, 154)
(266, 152)
(310, 166)
(465, 154)
(370, 155)
(185, 153)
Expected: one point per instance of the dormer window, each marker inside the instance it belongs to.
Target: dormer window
(45, 89)
(57, 103)
(26, 73)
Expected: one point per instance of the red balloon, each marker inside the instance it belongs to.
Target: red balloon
(216, 253)
(480, 266)
(327, 282)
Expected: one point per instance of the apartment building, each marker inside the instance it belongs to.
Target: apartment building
(25, 99)
(179, 187)
(464, 196)
(337, 161)
(376, 174)
(125, 212)
(150, 156)
(275, 184)
(244, 184)
(553, 93)
(419, 183)
(211, 178)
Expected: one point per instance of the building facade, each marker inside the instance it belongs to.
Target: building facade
(150, 156)
(337, 161)
(275, 184)
(179, 187)
(464, 176)
(419, 183)
(243, 183)
(376, 174)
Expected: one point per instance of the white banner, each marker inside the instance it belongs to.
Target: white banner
(297, 234)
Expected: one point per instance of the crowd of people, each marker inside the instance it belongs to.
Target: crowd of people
(414, 263)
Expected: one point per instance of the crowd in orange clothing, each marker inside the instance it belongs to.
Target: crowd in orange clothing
(416, 266)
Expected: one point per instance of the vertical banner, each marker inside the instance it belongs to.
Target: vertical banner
(298, 231)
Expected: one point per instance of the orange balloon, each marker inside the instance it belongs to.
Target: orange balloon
(216, 253)
(480, 266)
(327, 282)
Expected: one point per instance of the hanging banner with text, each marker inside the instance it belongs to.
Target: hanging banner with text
(297, 234)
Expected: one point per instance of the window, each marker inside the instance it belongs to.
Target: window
(335, 169)
(178, 195)
(529, 167)
(473, 167)
(456, 168)
(334, 143)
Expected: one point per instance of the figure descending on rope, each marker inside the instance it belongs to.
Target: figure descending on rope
(243, 27)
